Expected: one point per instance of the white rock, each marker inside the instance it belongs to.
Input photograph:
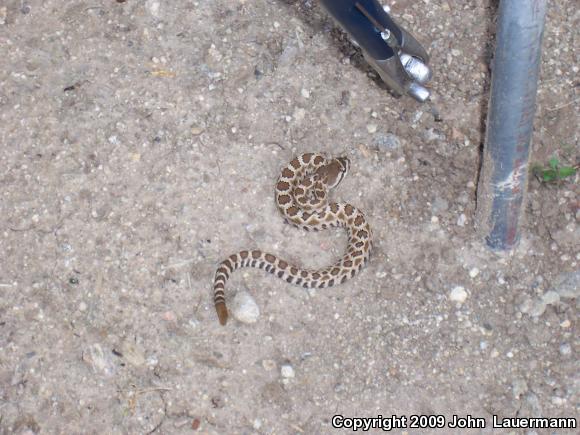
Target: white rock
(558, 401)
(153, 7)
(299, 114)
(372, 128)
(244, 308)
(100, 361)
(458, 294)
(287, 371)
(474, 272)
(461, 220)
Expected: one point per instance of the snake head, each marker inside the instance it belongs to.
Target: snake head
(333, 172)
(344, 164)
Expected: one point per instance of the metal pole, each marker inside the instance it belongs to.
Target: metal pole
(515, 71)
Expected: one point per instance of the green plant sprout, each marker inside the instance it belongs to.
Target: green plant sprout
(554, 172)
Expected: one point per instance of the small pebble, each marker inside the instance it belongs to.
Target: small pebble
(244, 308)
(536, 308)
(305, 93)
(458, 294)
(568, 285)
(169, 316)
(153, 7)
(372, 128)
(193, 322)
(180, 423)
(565, 349)
(99, 360)
(114, 140)
(269, 364)
(474, 272)
(287, 371)
(387, 142)
(299, 114)
(558, 401)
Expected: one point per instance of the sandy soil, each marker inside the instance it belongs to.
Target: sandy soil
(140, 144)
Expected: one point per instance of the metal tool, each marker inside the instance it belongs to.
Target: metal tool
(392, 51)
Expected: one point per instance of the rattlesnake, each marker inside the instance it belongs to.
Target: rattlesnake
(301, 196)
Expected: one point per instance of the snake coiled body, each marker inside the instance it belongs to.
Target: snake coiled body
(301, 195)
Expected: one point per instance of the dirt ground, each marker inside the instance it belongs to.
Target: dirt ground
(140, 145)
